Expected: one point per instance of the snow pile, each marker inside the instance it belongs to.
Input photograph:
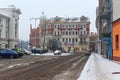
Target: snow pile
(99, 68)
(52, 54)
(16, 65)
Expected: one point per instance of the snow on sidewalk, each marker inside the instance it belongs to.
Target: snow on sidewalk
(99, 68)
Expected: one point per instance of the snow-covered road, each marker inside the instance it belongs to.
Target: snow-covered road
(99, 68)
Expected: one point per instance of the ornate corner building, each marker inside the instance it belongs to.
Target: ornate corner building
(9, 26)
(72, 34)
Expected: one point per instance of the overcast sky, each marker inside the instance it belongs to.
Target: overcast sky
(51, 8)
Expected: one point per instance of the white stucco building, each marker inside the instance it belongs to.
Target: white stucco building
(9, 27)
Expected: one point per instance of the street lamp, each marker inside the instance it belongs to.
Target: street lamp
(44, 35)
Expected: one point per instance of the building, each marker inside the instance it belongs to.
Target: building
(104, 27)
(9, 27)
(71, 33)
(93, 42)
(34, 37)
(116, 30)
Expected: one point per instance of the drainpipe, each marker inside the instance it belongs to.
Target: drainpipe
(8, 33)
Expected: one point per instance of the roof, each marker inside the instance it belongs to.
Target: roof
(3, 16)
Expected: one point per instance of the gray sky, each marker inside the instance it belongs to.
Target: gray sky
(51, 8)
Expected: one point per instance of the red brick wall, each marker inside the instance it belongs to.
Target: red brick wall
(34, 37)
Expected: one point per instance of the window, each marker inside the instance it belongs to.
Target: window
(66, 39)
(69, 26)
(80, 40)
(58, 26)
(66, 26)
(81, 33)
(0, 20)
(84, 32)
(76, 33)
(55, 26)
(117, 41)
(15, 31)
(84, 39)
(73, 32)
(15, 46)
(76, 25)
(73, 26)
(1, 26)
(69, 32)
(6, 34)
(84, 25)
(63, 40)
(55, 33)
(73, 40)
(66, 32)
(69, 39)
(63, 33)
(76, 40)
(6, 46)
(63, 26)
(58, 33)
(0, 33)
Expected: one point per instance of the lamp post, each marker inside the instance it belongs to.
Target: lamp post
(44, 39)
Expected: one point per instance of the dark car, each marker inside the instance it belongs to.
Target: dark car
(8, 53)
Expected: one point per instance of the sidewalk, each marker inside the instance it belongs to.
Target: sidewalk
(99, 68)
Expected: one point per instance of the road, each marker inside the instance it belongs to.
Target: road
(44, 68)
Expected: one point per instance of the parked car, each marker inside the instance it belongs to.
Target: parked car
(71, 52)
(57, 52)
(20, 52)
(27, 52)
(6, 53)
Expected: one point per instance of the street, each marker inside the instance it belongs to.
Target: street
(43, 67)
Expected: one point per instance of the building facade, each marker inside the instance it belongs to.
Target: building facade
(72, 34)
(34, 37)
(93, 42)
(116, 40)
(116, 30)
(104, 27)
(9, 27)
